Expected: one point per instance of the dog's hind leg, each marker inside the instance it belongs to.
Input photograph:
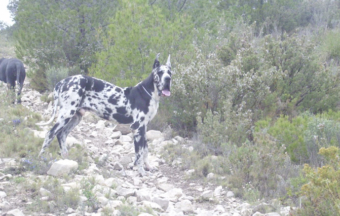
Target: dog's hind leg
(63, 120)
(62, 135)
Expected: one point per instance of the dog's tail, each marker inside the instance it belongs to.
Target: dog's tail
(56, 101)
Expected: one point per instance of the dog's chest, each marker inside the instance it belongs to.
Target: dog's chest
(153, 107)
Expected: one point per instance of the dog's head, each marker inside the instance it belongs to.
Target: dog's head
(162, 76)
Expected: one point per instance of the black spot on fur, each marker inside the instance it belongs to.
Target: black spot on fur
(127, 92)
(106, 116)
(80, 92)
(72, 103)
(94, 105)
(108, 110)
(72, 112)
(142, 119)
(135, 125)
(98, 85)
(121, 110)
(122, 118)
(118, 90)
(112, 100)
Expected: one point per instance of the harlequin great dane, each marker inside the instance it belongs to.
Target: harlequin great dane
(132, 105)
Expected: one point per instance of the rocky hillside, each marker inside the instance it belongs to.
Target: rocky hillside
(103, 180)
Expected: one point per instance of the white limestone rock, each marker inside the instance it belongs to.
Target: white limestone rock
(62, 167)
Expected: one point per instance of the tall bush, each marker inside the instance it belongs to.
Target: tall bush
(322, 192)
(135, 35)
(54, 75)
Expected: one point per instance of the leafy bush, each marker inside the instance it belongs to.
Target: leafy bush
(135, 35)
(264, 167)
(322, 191)
(54, 75)
(331, 45)
(304, 135)
(289, 133)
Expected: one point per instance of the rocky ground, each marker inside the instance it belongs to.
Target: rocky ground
(110, 154)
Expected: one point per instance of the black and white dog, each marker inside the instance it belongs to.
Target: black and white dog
(136, 106)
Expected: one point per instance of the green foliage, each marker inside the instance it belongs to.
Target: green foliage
(331, 45)
(87, 186)
(61, 34)
(262, 168)
(6, 44)
(290, 133)
(135, 35)
(16, 121)
(304, 84)
(303, 135)
(322, 191)
(54, 75)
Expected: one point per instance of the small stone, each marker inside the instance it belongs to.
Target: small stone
(218, 191)
(125, 192)
(102, 200)
(153, 135)
(2, 194)
(162, 202)
(15, 212)
(115, 135)
(125, 138)
(124, 129)
(45, 192)
(173, 194)
(185, 206)
(207, 194)
(70, 141)
(62, 167)
(210, 175)
(152, 205)
(165, 187)
(230, 194)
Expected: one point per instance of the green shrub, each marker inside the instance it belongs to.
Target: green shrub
(54, 75)
(331, 45)
(322, 191)
(263, 167)
(38, 79)
(289, 133)
(304, 135)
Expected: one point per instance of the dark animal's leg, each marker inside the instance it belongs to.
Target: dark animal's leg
(11, 78)
(21, 75)
(140, 147)
(11, 91)
(19, 92)
(62, 135)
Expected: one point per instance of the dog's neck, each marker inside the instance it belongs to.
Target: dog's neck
(149, 87)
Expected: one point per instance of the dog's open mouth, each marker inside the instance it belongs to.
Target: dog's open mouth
(166, 93)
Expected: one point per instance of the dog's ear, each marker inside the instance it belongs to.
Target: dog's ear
(168, 63)
(156, 63)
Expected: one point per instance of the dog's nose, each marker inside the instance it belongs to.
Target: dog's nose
(167, 79)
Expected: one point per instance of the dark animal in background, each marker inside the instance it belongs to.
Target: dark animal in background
(12, 71)
(132, 105)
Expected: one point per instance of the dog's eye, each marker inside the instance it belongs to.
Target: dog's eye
(160, 73)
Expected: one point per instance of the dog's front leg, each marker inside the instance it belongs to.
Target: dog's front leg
(140, 148)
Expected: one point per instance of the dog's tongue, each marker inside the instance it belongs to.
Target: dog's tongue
(166, 93)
